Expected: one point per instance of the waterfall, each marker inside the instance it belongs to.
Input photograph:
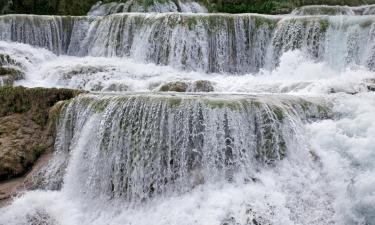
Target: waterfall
(285, 135)
(334, 10)
(206, 42)
(149, 145)
(105, 9)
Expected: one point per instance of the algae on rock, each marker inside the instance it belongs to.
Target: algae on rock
(27, 126)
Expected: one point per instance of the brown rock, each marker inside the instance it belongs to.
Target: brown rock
(177, 86)
(27, 126)
(9, 75)
(202, 86)
(188, 86)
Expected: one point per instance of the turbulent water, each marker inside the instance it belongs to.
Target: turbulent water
(104, 9)
(285, 137)
(213, 43)
(334, 10)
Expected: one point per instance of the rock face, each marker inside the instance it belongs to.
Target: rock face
(186, 86)
(9, 75)
(27, 126)
(10, 70)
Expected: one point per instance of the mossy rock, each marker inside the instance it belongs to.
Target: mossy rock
(177, 86)
(36, 101)
(202, 86)
(28, 119)
(9, 75)
(370, 84)
(188, 86)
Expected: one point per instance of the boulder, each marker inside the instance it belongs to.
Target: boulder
(9, 75)
(202, 86)
(177, 86)
(188, 86)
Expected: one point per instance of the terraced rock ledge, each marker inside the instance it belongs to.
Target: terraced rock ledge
(27, 130)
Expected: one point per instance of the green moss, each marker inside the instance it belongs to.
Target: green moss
(10, 75)
(263, 21)
(322, 110)
(28, 161)
(100, 106)
(366, 24)
(2, 131)
(330, 11)
(324, 24)
(191, 22)
(247, 6)
(36, 101)
(305, 105)
(282, 149)
(177, 86)
(278, 112)
(148, 3)
(257, 104)
(38, 151)
(213, 103)
(174, 102)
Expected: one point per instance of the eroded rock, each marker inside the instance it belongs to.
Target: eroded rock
(27, 126)
(9, 75)
(188, 86)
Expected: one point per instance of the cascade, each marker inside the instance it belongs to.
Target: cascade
(334, 10)
(180, 140)
(206, 42)
(284, 136)
(104, 9)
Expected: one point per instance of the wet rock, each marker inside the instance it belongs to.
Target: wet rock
(83, 70)
(230, 221)
(188, 86)
(7, 60)
(202, 86)
(251, 216)
(27, 126)
(334, 91)
(9, 75)
(41, 218)
(365, 85)
(116, 87)
(177, 86)
(370, 84)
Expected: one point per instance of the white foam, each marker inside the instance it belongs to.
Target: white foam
(296, 74)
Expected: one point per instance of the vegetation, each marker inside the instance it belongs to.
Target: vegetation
(47, 7)
(35, 102)
(81, 7)
(276, 6)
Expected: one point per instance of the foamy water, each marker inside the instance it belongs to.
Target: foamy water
(296, 74)
(327, 176)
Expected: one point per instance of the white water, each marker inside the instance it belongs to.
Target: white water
(105, 9)
(334, 10)
(296, 74)
(332, 185)
(210, 43)
(326, 177)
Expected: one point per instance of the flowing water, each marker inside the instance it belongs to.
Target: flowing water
(104, 9)
(285, 136)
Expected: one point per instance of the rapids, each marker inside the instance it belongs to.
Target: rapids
(285, 137)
